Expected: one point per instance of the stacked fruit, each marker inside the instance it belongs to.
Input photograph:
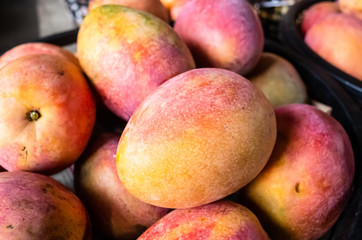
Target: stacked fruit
(219, 143)
(333, 29)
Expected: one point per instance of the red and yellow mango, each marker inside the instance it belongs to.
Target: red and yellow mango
(199, 137)
(127, 54)
(221, 220)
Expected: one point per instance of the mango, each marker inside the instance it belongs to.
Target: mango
(34, 206)
(114, 212)
(317, 12)
(199, 137)
(220, 220)
(37, 48)
(309, 178)
(154, 7)
(337, 39)
(47, 114)
(222, 33)
(127, 54)
(279, 80)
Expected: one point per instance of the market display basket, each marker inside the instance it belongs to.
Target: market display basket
(323, 89)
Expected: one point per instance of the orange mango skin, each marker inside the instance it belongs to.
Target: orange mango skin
(113, 211)
(37, 48)
(352, 7)
(127, 54)
(221, 220)
(35, 206)
(307, 182)
(201, 136)
(337, 39)
(169, 3)
(222, 34)
(58, 90)
(154, 7)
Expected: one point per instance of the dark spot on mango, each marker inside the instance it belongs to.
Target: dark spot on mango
(25, 156)
(60, 197)
(297, 187)
(61, 73)
(51, 208)
(47, 188)
(24, 153)
(10, 226)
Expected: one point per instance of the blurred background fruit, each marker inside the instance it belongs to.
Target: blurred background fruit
(332, 42)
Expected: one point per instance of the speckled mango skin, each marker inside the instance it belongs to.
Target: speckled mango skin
(113, 211)
(278, 79)
(201, 136)
(223, 33)
(221, 220)
(154, 7)
(305, 185)
(127, 54)
(56, 89)
(35, 206)
(37, 48)
(337, 39)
